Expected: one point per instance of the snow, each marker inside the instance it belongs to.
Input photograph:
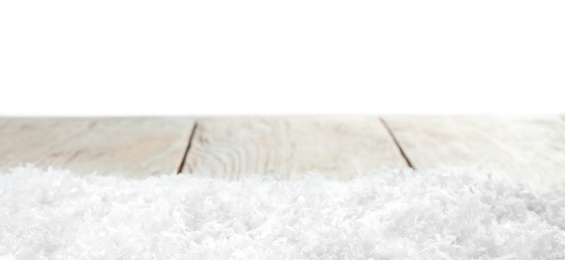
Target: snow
(389, 214)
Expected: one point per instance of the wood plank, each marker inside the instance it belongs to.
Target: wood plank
(134, 147)
(290, 147)
(531, 148)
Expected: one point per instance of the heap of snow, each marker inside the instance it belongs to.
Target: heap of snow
(390, 214)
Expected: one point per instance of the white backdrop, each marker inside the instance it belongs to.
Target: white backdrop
(271, 57)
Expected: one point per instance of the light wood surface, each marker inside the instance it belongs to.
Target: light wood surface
(290, 147)
(135, 147)
(340, 147)
(530, 148)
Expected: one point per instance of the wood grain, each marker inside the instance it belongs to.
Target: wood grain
(290, 147)
(531, 148)
(134, 147)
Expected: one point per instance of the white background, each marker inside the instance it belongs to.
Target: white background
(281, 57)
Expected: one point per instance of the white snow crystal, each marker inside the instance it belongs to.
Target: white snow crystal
(390, 214)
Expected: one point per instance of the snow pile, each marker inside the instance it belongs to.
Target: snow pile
(390, 214)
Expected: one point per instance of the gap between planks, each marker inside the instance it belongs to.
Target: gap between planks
(188, 145)
(408, 162)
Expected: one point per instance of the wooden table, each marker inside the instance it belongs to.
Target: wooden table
(288, 147)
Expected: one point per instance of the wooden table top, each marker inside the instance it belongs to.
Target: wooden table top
(288, 147)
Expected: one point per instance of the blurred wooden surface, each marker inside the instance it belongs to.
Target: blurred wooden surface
(137, 147)
(339, 147)
(520, 147)
(290, 147)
